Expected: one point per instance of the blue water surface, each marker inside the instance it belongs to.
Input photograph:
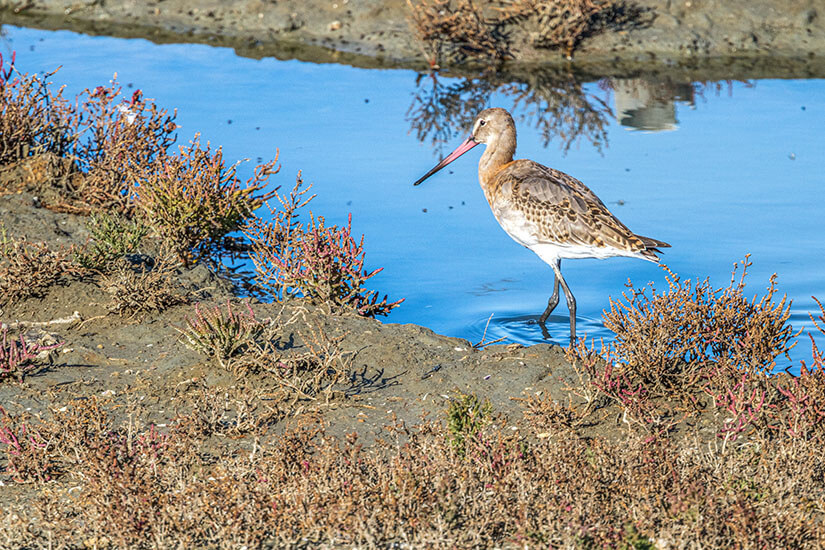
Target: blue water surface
(718, 172)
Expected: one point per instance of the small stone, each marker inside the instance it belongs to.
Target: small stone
(335, 25)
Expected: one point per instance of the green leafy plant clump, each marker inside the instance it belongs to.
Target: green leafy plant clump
(192, 199)
(466, 417)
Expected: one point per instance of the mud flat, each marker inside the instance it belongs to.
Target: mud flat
(748, 38)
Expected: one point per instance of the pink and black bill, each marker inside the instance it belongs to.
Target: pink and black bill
(468, 144)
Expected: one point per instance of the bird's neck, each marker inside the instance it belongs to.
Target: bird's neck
(498, 153)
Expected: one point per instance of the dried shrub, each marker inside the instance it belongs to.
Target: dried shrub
(33, 119)
(145, 286)
(674, 349)
(460, 31)
(140, 489)
(661, 335)
(28, 270)
(220, 335)
(564, 23)
(193, 200)
(324, 264)
(112, 237)
(18, 356)
(120, 139)
(314, 375)
(229, 412)
(307, 367)
(457, 30)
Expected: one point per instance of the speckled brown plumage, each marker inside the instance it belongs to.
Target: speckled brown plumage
(563, 209)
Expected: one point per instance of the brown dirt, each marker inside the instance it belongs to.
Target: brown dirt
(372, 33)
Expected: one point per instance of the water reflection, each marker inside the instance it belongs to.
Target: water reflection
(554, 104)
(649, 104)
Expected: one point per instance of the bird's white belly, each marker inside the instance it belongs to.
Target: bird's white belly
(527, 233)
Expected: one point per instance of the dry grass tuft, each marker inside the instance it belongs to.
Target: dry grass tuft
(144, 287)
(229, 412)
(322, 263)
(310, 368)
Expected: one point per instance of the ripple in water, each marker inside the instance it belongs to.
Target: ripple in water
(525, 330)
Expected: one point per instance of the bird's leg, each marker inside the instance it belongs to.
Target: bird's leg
(552, 302)
(571, 301)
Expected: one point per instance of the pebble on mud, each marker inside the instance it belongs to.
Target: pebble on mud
(335, 25)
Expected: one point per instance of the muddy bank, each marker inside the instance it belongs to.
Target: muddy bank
(748, 38)
(401, 371)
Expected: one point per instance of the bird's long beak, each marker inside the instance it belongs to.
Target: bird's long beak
(468, 144)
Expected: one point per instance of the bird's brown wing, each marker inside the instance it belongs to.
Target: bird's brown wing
(566, 211)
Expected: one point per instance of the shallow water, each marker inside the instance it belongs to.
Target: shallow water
(718, 170)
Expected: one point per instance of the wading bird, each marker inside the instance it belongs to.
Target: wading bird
(554, 215)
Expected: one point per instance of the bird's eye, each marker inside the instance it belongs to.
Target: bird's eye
(482, 122)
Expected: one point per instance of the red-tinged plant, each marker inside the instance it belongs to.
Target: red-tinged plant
(193, 200)
(322, 263)
(747, 401)
(18, 357)
(27, 450)
(804, 403)
(119, 139)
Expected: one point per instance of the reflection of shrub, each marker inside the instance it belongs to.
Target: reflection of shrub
(554, 102)
(28, 269)
(322, 263)
(193, 200)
